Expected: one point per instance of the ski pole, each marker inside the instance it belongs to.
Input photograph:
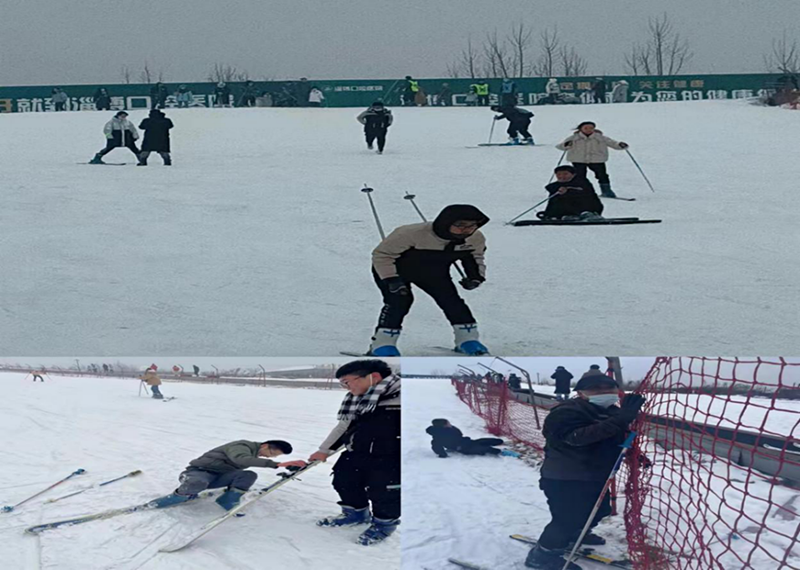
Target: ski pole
(410, 198)
(512, 220)
(491, 131)
(70, 476)
(131, 474)
(640, 170)
(560, 160)
(626, 445)
(368, 191)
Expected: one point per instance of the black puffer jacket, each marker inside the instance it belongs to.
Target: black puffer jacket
(583, 441)
(446, 438)
(562, 377)
(156, 132)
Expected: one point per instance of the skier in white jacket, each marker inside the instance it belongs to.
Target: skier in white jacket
(119, 132)
(587, 148)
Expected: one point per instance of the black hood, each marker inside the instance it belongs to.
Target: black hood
(457, 213)
(156, 113)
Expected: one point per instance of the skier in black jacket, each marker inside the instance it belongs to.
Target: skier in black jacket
(583, 438)
(158, 96)
(376, 120)
(519, 120)
(447, 437)
(156, 137)
(572, 197)
(562, 376)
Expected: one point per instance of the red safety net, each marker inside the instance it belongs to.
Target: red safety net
(710, 481)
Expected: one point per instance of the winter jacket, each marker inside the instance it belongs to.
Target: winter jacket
(599, 88)
(232, 456)
(59, 97)
(481, 88)
(151, 378)
(158, 93)
(119, 129)
(588, 149)
(101, 99)
(562, 378)
(222, 95)
(514, 382)
(508, 87)
(430, 250)
(582, 441)
(592, 372)
(184, 96)
(580, 197)
(375, 120)
(620, 93)
(156, 132)
(446, 438)
(552, 88)
(315, 96)
(376, 434)
(516, 115)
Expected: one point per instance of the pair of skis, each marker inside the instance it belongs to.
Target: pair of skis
(584, 553)
(596, 222)
(442, 348)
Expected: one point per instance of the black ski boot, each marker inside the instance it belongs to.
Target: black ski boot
(605, 190)
(98, 159)
(545, 559)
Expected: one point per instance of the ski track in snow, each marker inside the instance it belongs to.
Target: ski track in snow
(466, 507)
(99, 424)
(260, 224)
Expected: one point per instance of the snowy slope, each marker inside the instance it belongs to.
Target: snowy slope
(258, 240)
(101, 425)
(466, 507)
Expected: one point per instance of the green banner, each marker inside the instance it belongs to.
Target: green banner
(360, 93)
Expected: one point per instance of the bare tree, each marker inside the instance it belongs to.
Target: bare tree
(467, 64)
(550, 45)
(125, 72)
(146, 76)
(223, 72)
(664, 53)
(572, 63)
(520, 40)
(784, 57)
(495, 51)
(639, 60)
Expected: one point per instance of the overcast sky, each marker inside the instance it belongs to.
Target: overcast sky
(88, 41)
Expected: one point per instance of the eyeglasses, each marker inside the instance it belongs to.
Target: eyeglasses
(346, 381)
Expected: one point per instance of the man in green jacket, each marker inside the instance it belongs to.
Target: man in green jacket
(226, 466)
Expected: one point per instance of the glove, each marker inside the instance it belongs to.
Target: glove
(397, 286)
(630, 407)
(470, 284)
(496, 118)
(293, 465)
(623, 145)
(567, 144)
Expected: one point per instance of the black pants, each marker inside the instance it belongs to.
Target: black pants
(442, 290)
(165, 156)
(570, 503)
(37, 377)
(599, 169)
(483, 100)
(111, 145)
(519, 127)
(378, 134)
(195, 480)
(60, 106)
(482, 446)
(599, 97)
(360, 479)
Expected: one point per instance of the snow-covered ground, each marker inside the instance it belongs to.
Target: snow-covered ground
(258, 240)
(465, 507)
(99, 424)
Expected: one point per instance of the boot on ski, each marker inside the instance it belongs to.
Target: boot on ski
(384, 343)
(513, 140)
(466, 340)
(528, 140)
(378, 531)
(171, 499)
(545, 559)
(349, 517)
(605, 190)
(591, 539)
(98, 159)
(590, 216)
(230, 498)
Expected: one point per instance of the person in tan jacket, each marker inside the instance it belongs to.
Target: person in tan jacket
(153, 381)
(421, 255)
(587, 148)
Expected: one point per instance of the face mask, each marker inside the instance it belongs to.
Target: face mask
(604, 400)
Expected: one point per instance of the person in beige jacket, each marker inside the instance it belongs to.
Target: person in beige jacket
(421, 255)
(587, 148)
(153, 381)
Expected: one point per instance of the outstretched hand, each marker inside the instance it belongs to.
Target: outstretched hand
(623, 145)
(318, 456)
(299, 463)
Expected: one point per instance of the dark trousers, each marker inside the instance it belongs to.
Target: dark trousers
(482, 446)
(195, 480)
(111, 145)
(442, 290)
(378, 134)
(570, 503)
(60, 106)
(519, 127)
(599, 169)
(37, 377)
(483, 100)
(145, 154)
(359, 479)
(156, 392)
(599, 96)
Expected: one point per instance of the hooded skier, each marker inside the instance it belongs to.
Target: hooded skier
(376, 120)
(421, 254)
(156, 137)
(119, 132)
(519, 121)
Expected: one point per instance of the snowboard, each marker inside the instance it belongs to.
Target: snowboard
(583, 552)
(603, 222)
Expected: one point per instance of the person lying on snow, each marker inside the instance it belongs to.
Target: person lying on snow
(447, 437)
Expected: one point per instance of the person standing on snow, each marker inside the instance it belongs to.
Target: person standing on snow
(508, 93)
(102, 100)
(519, 120)
(376, 120)
(153, 381)
(409, 95)
(227, 466)
(368, 471)
(587, 148)
(222, 95)
(60, 99)
(156, 129)
(599, 90)
(514, 382)
(421, 254)
(315, 97)
(571, 197)
(583, 438)
(619, 94)
(553, 91)
(158, 96)
(184, 97)
(37, 376)
(119, 132)
(562, 376)
(447, 437)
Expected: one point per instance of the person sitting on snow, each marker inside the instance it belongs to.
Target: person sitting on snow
(447, 437)
(583, 438)
(571, 197)
(227, 466)
(421, 254)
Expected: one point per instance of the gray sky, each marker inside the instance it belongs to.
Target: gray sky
(88, 41)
